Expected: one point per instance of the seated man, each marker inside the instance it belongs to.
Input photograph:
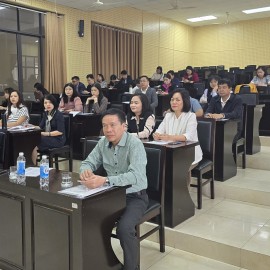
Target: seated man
(79, 87)
(226, 105)
(125, 81)
(124, 159)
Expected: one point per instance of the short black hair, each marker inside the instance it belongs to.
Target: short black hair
(171, 72)
(124, 72)
(145, 104)
(113, 77)
(113, 111)
(75, 78)
(90, 76)
(144, 76)
(190, 68)
(160, 68)
(186, 99)
(225, 81)
(168, 76)
(8, 90)
(52, 99)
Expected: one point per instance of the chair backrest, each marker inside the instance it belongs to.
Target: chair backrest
(155, 173)
(3, 138)
(67, 118)
(35, 118)
(206, 135)
(88, 146)
(200, 86)
(249, 98)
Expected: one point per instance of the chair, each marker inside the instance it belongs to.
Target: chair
(65, 152)
(205, 169)
(156, 181)
(35, 119)
(200, 87)
(3, 139)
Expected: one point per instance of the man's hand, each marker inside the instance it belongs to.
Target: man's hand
(85, 175)
(214, 115)
(94, 181)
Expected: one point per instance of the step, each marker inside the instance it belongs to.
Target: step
(233, 232)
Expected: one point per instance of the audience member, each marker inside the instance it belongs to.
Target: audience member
(125, 81)
(91, 81)
(179, 124)
(158, 75)
(101, 80)
(140, 119)
(124, 159)
(191, 76)
(40, 91)
(79, 87)
(53, 127)
(97, 103)
(167, 86)
(113, 81)
(175, 80)
(150, 92)
(261, 79)
(70, 100)
(17, 113)
(212, 91)
(7, 92)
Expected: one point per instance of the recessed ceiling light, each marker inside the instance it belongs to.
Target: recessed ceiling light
(204, 18)
(256, 10)
(2, 8)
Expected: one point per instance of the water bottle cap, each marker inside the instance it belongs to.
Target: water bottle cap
(44, 157)
(21, 154)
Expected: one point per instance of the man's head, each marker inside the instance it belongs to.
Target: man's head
(224, 88)
(114, 125)
(75, 80)
(124, 74)
(90, 79)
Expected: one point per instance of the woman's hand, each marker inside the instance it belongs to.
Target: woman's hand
(156, 136)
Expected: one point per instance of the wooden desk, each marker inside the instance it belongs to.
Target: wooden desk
(178, 203)
(22, 141)
(225, 167)
(44, 230)
(253, 143)
(84, 125)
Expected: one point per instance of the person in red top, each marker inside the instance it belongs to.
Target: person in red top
(191, 76)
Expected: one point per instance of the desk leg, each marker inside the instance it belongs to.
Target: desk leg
(178, 203)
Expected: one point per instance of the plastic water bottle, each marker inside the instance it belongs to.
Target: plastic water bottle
(130, 89)
(21, 169)
(44, 173)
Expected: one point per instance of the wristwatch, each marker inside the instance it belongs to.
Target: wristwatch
(107, 181)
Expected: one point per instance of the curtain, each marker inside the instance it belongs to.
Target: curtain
(55, 75)
(115, 49)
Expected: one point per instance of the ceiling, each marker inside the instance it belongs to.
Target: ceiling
(179, 10)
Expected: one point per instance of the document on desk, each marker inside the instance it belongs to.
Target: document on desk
(22, 128)
(81, 191)
(159, 142)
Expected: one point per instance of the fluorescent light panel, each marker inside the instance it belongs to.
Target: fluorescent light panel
(204, 18)
(2, 8)
(256, 10)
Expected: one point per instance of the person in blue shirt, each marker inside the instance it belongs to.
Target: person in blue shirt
(175, 80)
(124, 160)
(79, 87)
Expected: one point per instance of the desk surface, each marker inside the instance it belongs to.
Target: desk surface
(47, 230)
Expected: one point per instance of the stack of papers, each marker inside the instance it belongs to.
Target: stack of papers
(81, 191)
(22, 128)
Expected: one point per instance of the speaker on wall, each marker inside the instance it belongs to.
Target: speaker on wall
(81, 28)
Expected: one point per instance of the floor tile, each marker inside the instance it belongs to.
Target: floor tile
(221, 229)
(177, 259)
(246, 212)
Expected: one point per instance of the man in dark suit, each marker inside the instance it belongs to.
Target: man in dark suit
(125, 81)
(80, 87)
(226, 105)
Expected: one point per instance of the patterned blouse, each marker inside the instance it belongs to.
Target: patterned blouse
(16, 113)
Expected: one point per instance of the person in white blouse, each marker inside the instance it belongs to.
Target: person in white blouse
(180, 124)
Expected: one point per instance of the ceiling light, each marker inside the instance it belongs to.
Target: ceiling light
(204, 18)
(2, 8)
(256, 10)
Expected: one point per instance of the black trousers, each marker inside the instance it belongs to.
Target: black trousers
(136, 205)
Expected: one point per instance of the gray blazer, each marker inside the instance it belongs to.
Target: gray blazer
(152, 97)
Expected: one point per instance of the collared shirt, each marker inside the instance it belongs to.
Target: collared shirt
(125, 163)
(223, 103)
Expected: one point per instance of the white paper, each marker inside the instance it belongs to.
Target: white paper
(81, 191)
(158, 142)
(22, 128)
(33, 171)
